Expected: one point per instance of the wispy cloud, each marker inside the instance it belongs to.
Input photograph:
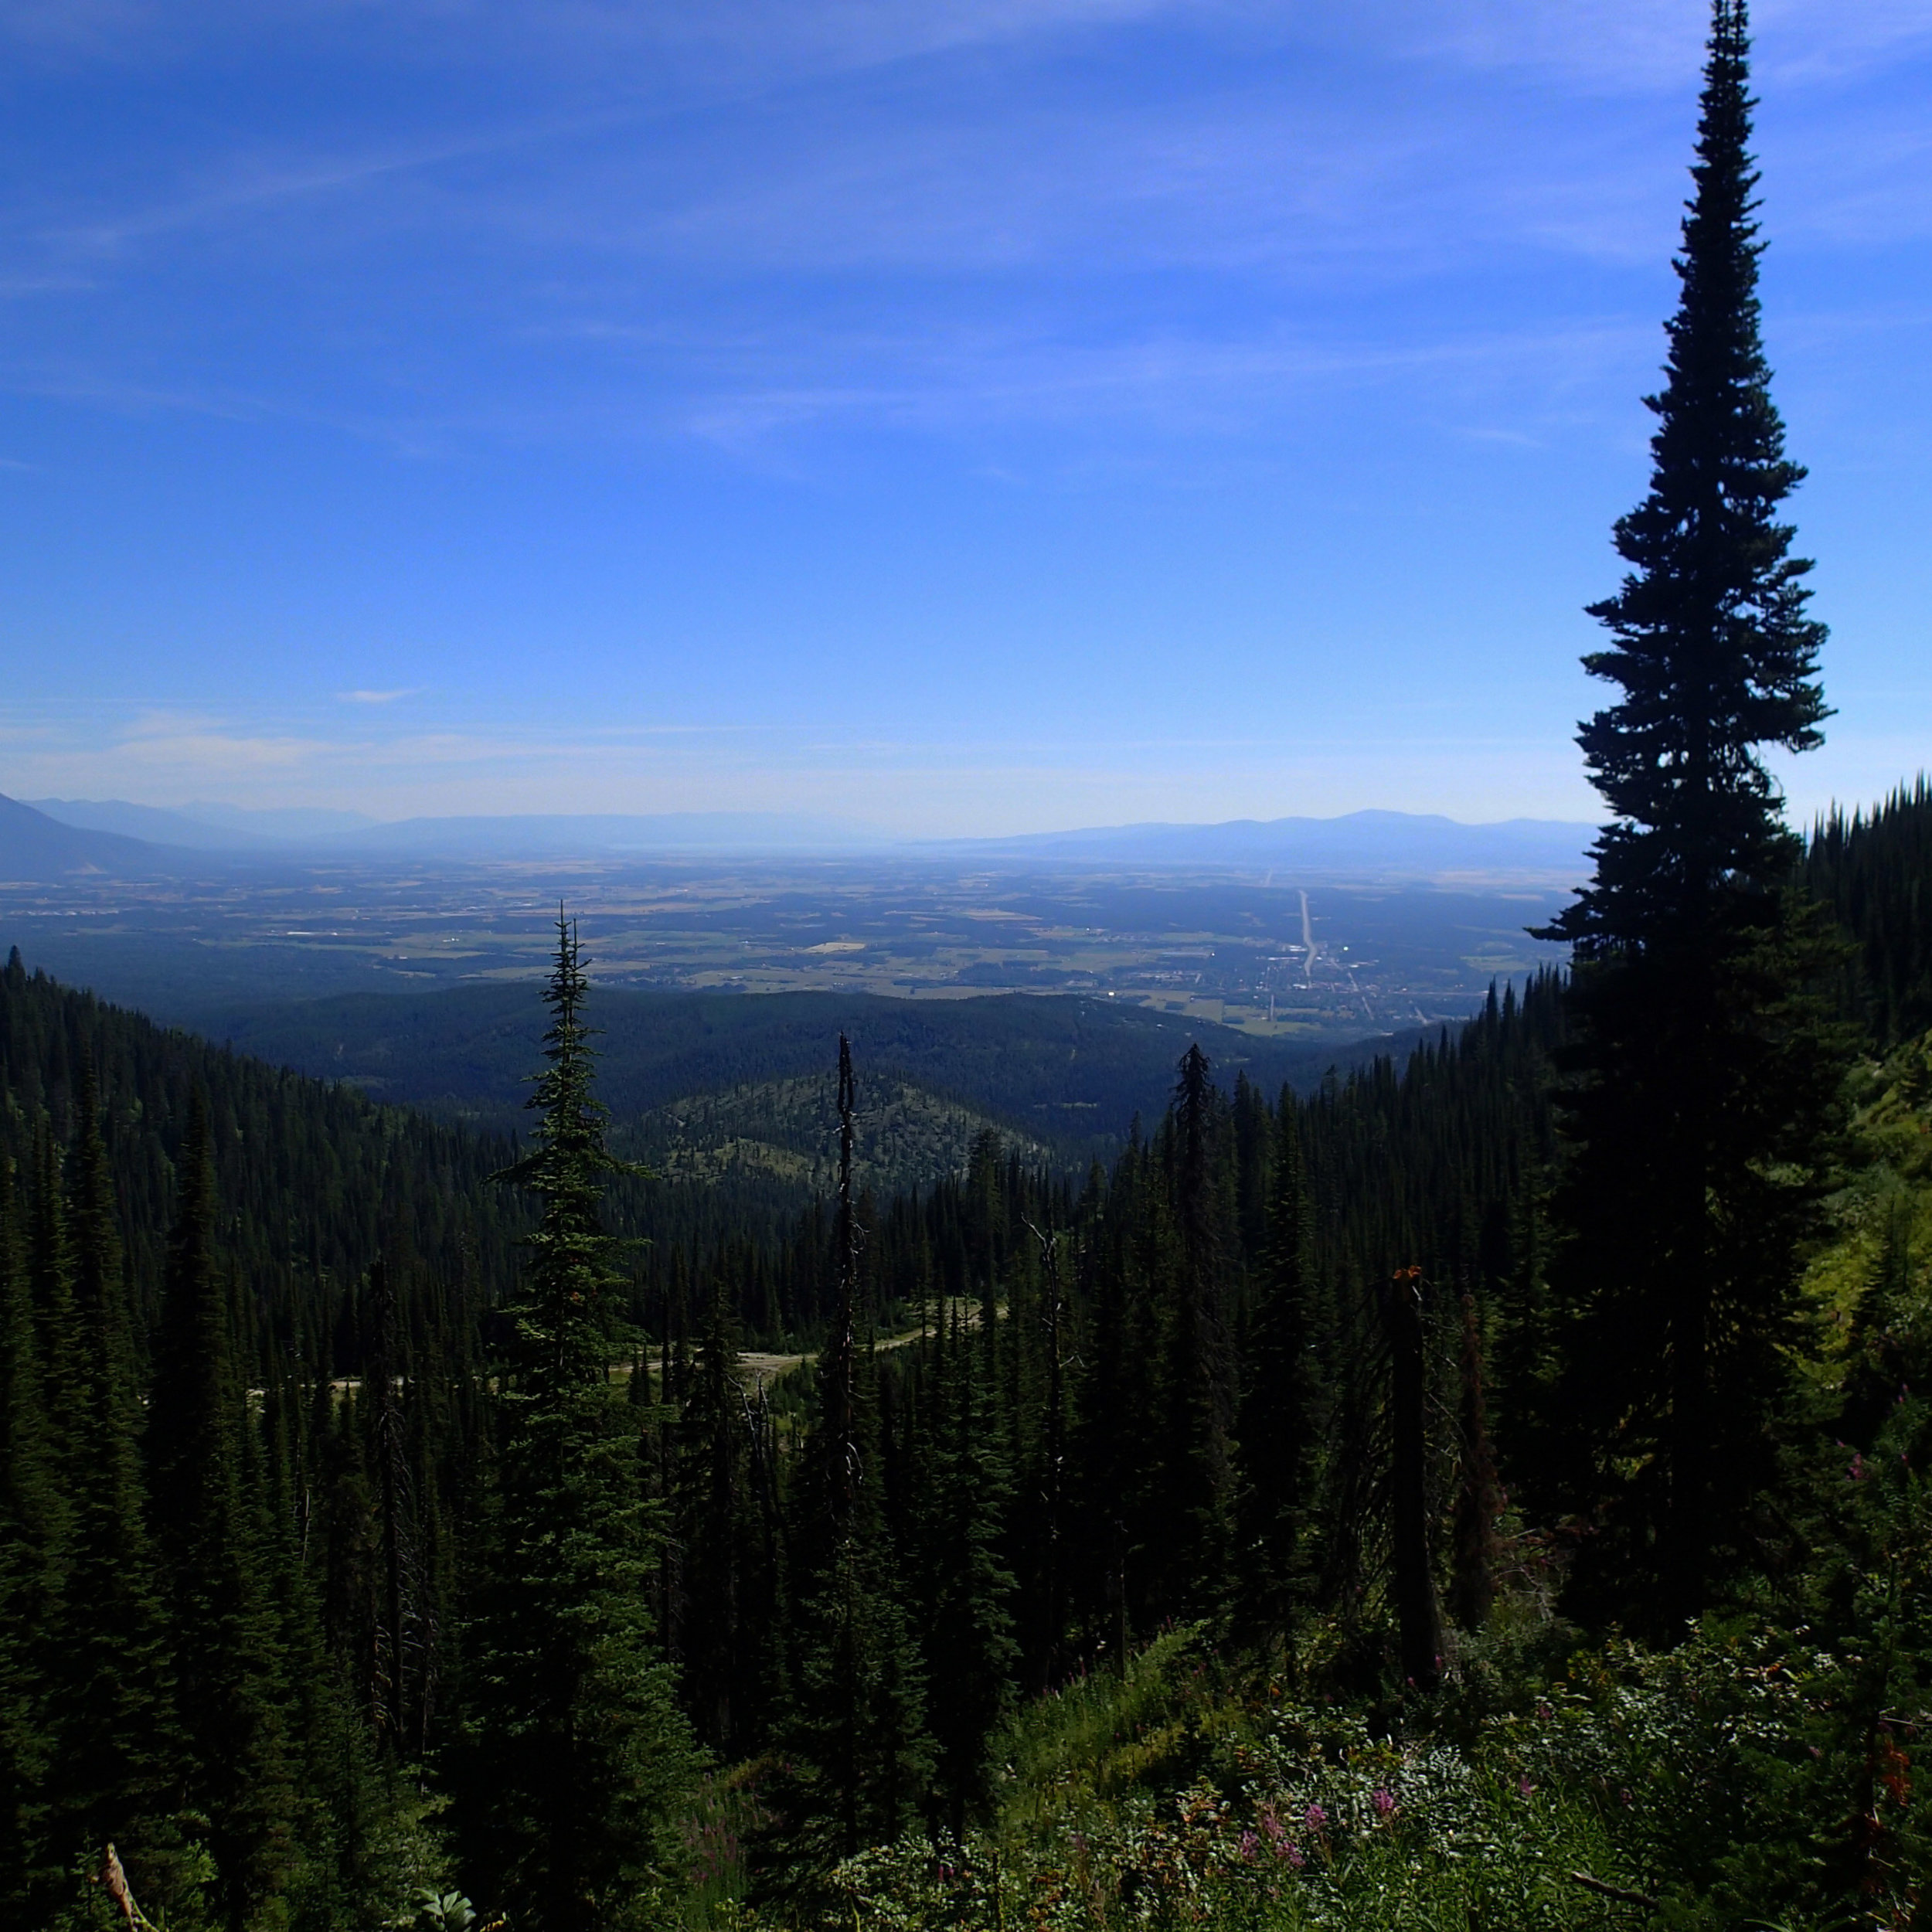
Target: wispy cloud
(1243, 389)
(628, 265)
(376, 697)
(1610, 41)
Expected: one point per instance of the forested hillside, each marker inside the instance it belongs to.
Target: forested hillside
(1168, 1398)
(1068, 1071)
(1057, 1314)
(315, 1182)
(1875, 871)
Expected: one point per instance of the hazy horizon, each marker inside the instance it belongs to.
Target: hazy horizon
(215, 814)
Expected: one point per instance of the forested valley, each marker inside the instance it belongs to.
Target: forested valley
(1483, 1490)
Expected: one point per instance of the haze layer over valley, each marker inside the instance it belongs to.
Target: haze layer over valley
(1309, 931)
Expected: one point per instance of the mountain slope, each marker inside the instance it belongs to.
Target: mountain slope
(35, 848)
(313, 1179)
(153, 824)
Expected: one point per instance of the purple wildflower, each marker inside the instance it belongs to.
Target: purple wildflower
(1249, 1845)
(1525, 1787)
(1314, 1818)
(1384, 1801)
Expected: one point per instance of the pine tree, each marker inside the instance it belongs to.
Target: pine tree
(351, 1554)
(858, 1755)
(1704, 1082)
(32, 1532)
(1198, 1473)
(1412, 1564)
(50, 1289)
(725, 1589)
(115, 1711)
(407, 1643)
(1478, 1495)
(1282, 1404)
(231, 1698)
(578, 1755)
(971, 1648)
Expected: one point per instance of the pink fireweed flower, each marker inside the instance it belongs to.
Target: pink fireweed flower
(1314, 1818)
(1249, 1845)
(1525, 1787)
(1384, 1801)
(1295, 1858)
(1272, 1825)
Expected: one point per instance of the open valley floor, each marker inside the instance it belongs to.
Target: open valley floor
(1274, 956)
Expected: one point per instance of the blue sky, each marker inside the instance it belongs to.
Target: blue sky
(960, 415)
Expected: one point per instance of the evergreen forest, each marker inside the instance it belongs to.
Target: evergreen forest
(1485, 1488)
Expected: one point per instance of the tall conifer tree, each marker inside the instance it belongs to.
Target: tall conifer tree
(31, 1532)
(207, 1524)
(1198, 1475)
(116, 1734)
(969, 1591)
(1704, 1085)
(725, 1587)
(859, 1755)
(578, 1755)
(1282, 1403)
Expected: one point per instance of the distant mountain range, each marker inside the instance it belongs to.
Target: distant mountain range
(204, 827)
(1393, 844)
(36, 849)
(212, 827)
(52, 838)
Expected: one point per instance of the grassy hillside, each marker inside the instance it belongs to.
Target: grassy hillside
(1869, 1291)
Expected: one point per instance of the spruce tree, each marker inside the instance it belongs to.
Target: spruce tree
(1704, 1084)
(204, 1502)
(1197, 1475)
(578, 1755)
(1282, 1405)
(32, 1534)
(1412, 1565)
(351, 1556)
(50, 1289)
(858, 1755)
(724, 1586)
(969, 1594)
(1478, 1495)
(115, 1715)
